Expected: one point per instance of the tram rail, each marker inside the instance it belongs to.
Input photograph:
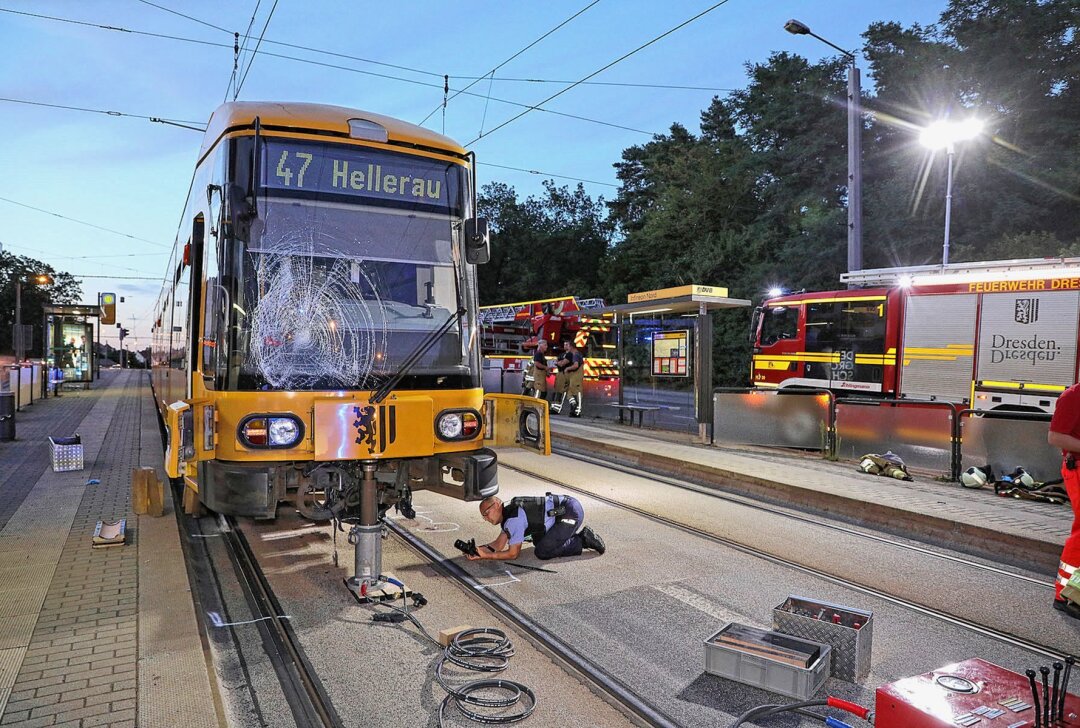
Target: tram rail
(787, 562)
(613, 690)
(308, 701)
(795, 516)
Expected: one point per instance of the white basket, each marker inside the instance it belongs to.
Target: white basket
(66, 455)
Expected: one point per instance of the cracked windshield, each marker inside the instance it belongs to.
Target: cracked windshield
(352, 263)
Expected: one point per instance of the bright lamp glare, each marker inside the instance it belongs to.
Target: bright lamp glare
(905, 281)
(774, 292)
(942, 134)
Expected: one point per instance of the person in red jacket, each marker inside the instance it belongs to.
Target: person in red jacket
(1065, 434)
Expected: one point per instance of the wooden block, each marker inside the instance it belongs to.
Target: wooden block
(192, 505)
(446, 636)
(156, 492)
(140, 499)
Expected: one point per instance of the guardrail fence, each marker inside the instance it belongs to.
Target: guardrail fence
(928, 435)
(1007, 441)
(922, 433)
(795, 418)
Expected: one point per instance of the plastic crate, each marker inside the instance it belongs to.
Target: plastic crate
(67, 453)
(779, 677)
(850, 632)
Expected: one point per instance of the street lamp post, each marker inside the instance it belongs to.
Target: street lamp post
(854, 129)
(945, 135)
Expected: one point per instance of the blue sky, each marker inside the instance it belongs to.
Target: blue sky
(131, 175)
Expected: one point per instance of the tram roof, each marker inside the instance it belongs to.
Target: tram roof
(316, 117)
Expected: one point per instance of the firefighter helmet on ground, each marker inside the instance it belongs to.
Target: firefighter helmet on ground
(973, 478)
(1023, 477)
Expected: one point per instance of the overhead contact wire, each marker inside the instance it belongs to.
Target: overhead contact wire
(307, 61)
(503, 63)
(255, 52)
(620, 59)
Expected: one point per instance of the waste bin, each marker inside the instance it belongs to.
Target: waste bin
(7, 416)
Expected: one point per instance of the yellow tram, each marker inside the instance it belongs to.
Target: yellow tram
(316, 338)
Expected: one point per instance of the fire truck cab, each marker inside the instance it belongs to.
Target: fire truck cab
(990, 335)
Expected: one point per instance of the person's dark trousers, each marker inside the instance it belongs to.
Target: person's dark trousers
(563, 539)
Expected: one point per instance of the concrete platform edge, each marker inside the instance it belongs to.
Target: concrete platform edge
(174, 681)
(1024, 552)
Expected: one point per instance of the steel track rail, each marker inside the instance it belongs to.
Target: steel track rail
(614, 690)
(307, 699)
(967, 624)
(749, 503)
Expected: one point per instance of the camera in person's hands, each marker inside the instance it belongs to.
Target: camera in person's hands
(466, 547)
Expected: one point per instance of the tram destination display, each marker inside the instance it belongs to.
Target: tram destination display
(374, 175)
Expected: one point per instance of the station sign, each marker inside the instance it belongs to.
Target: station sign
(691, 290)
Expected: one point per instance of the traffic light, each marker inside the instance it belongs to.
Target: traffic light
(107, 304)
(123, 333)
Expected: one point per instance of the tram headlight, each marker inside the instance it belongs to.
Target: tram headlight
(457, 425)
(270, 431)
(283, 431)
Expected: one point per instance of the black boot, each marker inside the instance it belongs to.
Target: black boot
(590, 540)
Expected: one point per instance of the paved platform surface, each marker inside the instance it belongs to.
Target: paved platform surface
(1025, 533)
(93, 637)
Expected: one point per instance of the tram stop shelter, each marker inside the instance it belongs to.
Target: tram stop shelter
(69, 344)
(670, 330)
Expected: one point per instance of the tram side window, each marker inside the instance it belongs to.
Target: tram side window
(781, 322)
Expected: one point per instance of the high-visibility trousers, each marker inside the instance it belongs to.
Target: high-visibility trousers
(539, 378)
(570, 382)
(1070, 555)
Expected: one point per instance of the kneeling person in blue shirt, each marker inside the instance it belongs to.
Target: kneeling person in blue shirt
(556, 524)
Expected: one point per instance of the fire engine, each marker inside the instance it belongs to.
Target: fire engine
(510, 332)
(989, 335)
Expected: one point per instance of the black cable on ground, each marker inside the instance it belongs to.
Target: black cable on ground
(766, 711)
(482, 649)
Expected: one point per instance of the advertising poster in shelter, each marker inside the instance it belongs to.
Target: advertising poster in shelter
(671, 353)
(74, 353)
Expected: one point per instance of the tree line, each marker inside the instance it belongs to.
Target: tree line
(64, 289)
(756, 197)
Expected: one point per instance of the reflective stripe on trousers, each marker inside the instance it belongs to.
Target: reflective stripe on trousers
(1070, 555)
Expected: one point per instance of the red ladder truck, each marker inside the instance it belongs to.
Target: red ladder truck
(988, 335)
(510, 332)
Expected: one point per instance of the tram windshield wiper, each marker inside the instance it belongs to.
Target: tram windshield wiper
(388, 386)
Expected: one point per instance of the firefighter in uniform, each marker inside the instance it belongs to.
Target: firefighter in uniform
(1065, 434)
(556, 524)
(539, 370)
(570, 379)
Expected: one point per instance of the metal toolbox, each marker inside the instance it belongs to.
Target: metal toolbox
(850, 632)
(779, 677)
(67, 453)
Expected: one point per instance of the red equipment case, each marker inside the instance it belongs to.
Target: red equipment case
(970, 693)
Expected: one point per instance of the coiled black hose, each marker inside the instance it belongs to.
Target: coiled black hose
(483, 649)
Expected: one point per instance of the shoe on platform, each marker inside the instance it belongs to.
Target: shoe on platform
(590, 540)
(1070, 608)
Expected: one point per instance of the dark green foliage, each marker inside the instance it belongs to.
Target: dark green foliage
(544, 247)
(64, 289)
(758, 197)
